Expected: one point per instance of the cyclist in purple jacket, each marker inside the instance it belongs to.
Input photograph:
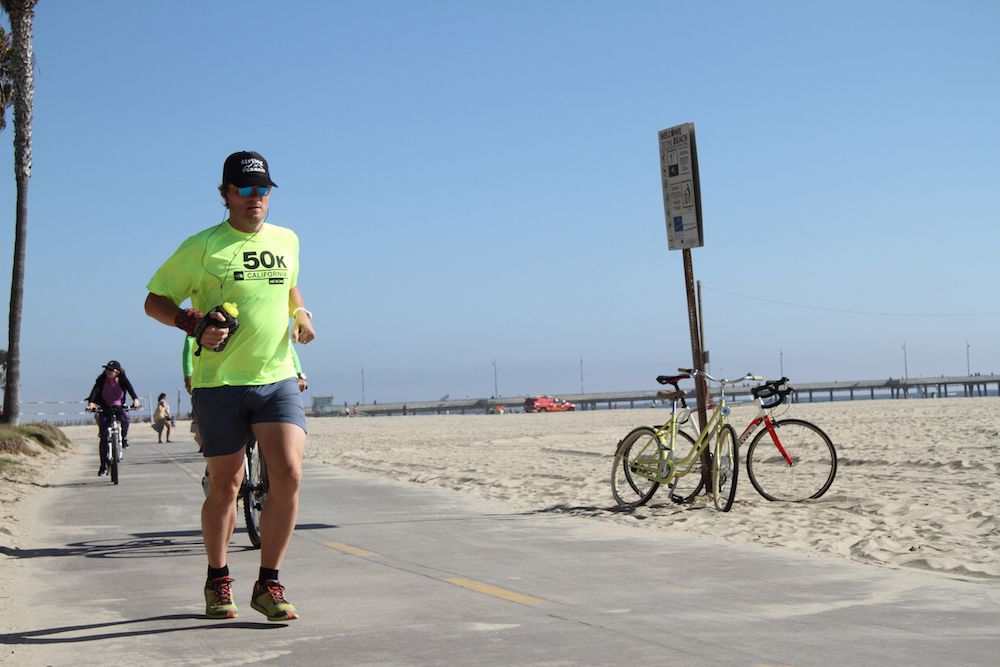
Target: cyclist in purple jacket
(109, 393)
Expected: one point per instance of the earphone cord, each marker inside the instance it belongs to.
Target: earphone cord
(225, 275)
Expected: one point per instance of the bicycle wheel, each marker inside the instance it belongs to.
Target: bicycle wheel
(635, 474)
(254, 492)
(813, 461)
(116, 454)
(683, 489)
(725, 468)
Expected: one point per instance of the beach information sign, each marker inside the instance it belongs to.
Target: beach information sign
(681, 190)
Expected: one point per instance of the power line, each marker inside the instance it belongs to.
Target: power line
(847, 310)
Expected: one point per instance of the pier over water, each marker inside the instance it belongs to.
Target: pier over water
(807, 392)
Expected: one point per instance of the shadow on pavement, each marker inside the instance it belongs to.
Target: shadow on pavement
(102, 631)
(140, 545)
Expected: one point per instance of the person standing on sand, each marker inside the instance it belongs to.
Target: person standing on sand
(161, 418)
(244, 383)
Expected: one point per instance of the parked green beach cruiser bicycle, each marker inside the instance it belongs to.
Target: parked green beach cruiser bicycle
(789, 460)
(650, 456)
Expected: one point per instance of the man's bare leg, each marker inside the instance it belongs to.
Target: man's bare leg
(218, 513)
(282, 446)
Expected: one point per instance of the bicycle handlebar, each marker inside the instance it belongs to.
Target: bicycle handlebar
(749, 377)
(771, 388)
(124, 408)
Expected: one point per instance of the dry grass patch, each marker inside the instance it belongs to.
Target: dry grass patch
(12, 441)
(46, 434)
(30, 439)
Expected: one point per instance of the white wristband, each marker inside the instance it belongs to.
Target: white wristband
(300, 308)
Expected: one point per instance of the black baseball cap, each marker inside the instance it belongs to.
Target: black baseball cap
(245, 168)
(112, 366)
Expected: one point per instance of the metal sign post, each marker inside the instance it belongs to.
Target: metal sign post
(682, 209)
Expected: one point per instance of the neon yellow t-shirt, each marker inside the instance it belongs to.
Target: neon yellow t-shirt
(253, 270)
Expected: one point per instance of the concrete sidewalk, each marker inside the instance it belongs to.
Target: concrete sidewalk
(386, 573)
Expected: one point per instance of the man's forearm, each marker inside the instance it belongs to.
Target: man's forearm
(294, 300)
(161, 309)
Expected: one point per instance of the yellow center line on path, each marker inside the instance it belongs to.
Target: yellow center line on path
(354, 551)
(495, 591)
(469, 584)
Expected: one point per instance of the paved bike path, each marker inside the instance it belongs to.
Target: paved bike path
(387, 573)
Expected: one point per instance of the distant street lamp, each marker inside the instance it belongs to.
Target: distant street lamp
(968, 366)
(495, 392)
(906, 374)
(581, 374)
(362, 385)
(781, 362)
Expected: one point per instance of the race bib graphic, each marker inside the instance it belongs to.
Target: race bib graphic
(264, 265)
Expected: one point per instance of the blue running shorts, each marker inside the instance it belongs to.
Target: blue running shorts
(225, 414)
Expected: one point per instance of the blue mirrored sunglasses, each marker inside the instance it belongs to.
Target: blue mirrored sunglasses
(248, 191)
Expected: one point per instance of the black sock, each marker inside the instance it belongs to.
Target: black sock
(216, 572)
(266, 574)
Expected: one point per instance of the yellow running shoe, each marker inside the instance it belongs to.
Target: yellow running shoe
(219, 598)
(269, 599)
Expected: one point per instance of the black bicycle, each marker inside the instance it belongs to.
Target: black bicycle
(254, 490)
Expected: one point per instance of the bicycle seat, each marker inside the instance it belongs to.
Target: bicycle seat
(671, 395)
(671, 379)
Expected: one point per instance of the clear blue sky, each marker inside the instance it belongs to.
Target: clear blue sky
(480, 180)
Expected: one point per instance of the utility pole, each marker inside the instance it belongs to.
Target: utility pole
(906, 374)
(701, 329)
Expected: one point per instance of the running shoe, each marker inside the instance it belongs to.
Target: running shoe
(219, 598)
(269, 599)
(102, 471)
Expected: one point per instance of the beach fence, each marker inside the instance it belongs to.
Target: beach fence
(68, 413)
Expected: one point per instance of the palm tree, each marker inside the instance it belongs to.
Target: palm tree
(20, 68)
(6, 83)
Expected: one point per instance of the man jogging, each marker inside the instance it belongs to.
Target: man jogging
(243, 273)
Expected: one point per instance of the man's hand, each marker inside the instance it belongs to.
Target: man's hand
(136, 404)
(211, 337)
(302, 328)
(91, 407)
(187, 384)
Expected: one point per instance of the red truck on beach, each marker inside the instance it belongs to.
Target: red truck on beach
(547, 404)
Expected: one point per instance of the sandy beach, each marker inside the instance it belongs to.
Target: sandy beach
(918, 483)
